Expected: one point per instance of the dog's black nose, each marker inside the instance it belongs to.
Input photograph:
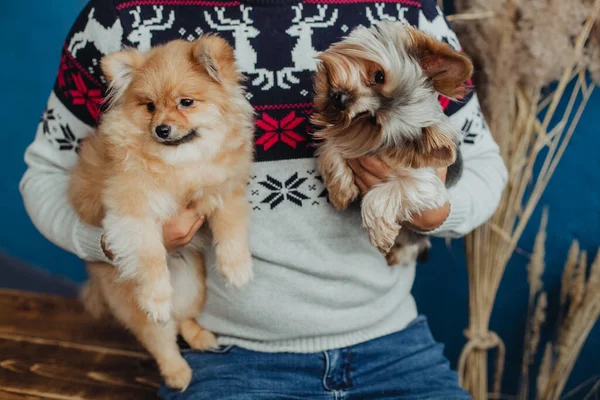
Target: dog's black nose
(339, 100)
(163, 131)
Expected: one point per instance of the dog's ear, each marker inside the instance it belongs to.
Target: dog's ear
(447, 68)
(215, 54)
(432, 150)
(118, 68)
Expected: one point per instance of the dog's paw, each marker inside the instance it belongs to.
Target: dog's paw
(204, 340)
(381, 234)
(383, 237)
(196, 336)
(342, 193)
(177, 374)
(426, 193)
(432, 194)
(379, 219)
(155, 299)
(236, 268)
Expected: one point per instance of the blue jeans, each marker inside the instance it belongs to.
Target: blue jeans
(405, 365)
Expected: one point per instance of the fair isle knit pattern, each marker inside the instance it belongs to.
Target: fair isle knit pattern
(319, 284)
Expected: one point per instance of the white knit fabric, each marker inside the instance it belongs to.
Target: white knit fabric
(319, 284)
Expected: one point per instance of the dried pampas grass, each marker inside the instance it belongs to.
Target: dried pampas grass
(579, 310)
(546, 30)
(580, 307)
(538, 302)
(593, 55)
(520, 48)
(567, 279)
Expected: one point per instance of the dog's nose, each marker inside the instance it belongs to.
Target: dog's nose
(339, 100)
(163, 131)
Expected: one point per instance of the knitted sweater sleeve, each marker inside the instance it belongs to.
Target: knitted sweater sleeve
(475, 197)
(71, 114)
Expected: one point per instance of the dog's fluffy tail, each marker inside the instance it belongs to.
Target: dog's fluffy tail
(92, 299)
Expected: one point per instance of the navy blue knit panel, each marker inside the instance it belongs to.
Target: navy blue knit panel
(79, 83)
(275, 44)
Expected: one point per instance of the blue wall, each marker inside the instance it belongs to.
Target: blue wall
(30, 58)
(32, 34)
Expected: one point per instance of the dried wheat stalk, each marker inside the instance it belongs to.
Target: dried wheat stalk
(536, 314)
(580, 307)
(579, 310)
(517, 58)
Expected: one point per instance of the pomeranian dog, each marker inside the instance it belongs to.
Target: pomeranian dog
(178, 132)
(376, 93)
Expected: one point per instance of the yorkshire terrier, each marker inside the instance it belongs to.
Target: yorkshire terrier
(177, 133)
(376, 94)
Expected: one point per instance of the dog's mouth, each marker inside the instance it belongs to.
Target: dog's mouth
(191, 135)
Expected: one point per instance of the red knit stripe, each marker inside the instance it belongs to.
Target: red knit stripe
(203, 3)
(413, 3)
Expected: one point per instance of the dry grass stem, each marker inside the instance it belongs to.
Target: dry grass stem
(545, 368)
(592, 289)
(580, 303)
(520, 48)
(471, 16)
(578, 288)
(577, 390)
(567, 279)
(536, 313)
(593, 391)
(536, 265)
(539, 317)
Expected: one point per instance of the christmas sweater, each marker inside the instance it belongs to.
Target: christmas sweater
(318, 282)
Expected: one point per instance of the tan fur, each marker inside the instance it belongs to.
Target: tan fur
(398, 119)
(448, 69)
(433, 150)
(159, 340)
(130, 183)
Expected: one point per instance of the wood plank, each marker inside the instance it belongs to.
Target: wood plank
(60, 319)
(50, 348)
(17, 396)
(56, 372)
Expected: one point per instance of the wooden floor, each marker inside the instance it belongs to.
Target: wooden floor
(51, 349)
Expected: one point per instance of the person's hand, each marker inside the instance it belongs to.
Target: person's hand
(177, 231)
(371, 171)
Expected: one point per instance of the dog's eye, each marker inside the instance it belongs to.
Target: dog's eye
(151, 107)
(186, 103)
(379, 77)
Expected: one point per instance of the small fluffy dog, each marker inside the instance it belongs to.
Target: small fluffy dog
(178, 133)
(377, 94)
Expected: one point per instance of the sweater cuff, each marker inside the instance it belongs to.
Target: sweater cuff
(88, 243)
(460, 207)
